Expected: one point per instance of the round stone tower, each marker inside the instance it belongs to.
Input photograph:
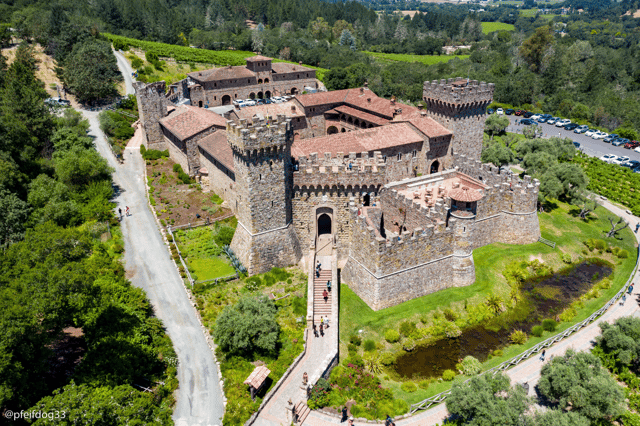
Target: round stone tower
(460, 106)
(462, 220)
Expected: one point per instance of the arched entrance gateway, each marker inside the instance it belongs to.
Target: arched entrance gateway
(324, 224)
(434, 167)
(226, 100)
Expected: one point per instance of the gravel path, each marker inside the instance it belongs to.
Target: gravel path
(126, 71)
(149, 266)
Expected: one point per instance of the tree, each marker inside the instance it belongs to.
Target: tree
(13, 218)
(91, 71)
(614, 226)
(497, 154)
(346, 39)
(496, 124)
(530, 132)
(67, 138)
(248, 326)
(78, 167)
(577, 381)
(534, 48)
(559, 418)
(487, 400)
(621, 339)
(589, 205)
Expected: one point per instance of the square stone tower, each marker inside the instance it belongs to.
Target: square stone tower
(265, 236)
(460, 106)
(152, 107)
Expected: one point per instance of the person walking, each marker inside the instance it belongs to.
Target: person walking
(315, 330)
(120, 212)
(389, 421)
(637, 227)
(631, 288)
(544, 352)
(329, 285)
(321, 330)
(624, 299)
(325, 295)
(128, 211)
(344, 414)
(350, 421)
(321, 320)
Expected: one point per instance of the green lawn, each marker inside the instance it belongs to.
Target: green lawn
(530, 13)
(423, 59)
(489, 27)
(558, 223)
(208, 269)
(205, 259)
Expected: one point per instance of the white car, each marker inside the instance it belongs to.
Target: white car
(535, 117)
(590, 132)
(609, 158)
(637, 149)
(500, 111)
(563, 122)
(599, 135)
(620, 160)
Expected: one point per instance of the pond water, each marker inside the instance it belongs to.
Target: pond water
(541, 298)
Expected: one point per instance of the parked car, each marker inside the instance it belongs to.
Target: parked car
(632, 164)
(520, 112)
(632, 144)
(590, 132)
(527, 121)
(576, 144)
(509, 111)
(57, 102)
(609, 158)
(527, 114)
(581, 129)
(611, 137)
(552, 120)
(536, 117)
(562, 122)
(571, 126)
(617, 142)
(620, 160)
(500, 111)
(599, 135)
(637, 149)
(544, 117)
(490, 111)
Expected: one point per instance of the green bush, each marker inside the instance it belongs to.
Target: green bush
(355, 339)
(369, 345)
(407, 328)
(549, 324)
(518, 337)
(118, 248)
(568, 314)
(120, 44)
(409, 387)
(319, 395)
(224, 236)
(537, 331)
(566, 258)
(600, 244)
(622, 254)
(388, 358)
(153, 154)
(408, 344)
(450, 315)
(352, 349)
(423, 384)
(136, 63)
(448, 375)
(177, 168)
(299, 306)
(471, 366)
(391, 336)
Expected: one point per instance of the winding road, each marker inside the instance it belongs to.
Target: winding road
(149, 266)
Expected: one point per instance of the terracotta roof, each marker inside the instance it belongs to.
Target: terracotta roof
(258, 58)
(283, 67)
(426, 125)
(361, 115)
(465, 194)
(224, 73)
(217, 146)
(257, 376)
(374, 139)
(187, 121)
(322, 98)
(272, 110)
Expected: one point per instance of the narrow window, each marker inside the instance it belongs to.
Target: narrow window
(399, 157)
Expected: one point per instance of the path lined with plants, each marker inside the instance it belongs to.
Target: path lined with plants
(529, 370)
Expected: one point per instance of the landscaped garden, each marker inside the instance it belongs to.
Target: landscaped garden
(117, 123)
(523, 294)
(176, 198)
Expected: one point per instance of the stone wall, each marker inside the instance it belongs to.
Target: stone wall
(186, 152)
(261, 252)
(152, 107)
(245, 91)
(220, 180)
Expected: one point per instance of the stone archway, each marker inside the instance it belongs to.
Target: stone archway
(294, 91)
(252, 95)
(435, 166)
(267, 94)
(226, 100)
(324, 224)
(260, 95)
(200, 104)
(331, 130)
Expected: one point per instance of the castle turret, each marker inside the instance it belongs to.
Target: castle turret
(460, 106)
(152, 107)
(264, 237)
(462, 221)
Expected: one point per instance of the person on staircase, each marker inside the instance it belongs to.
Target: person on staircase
(325, 295)
(329, 285)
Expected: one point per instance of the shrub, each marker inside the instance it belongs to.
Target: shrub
(566, 258)
(450, 315)
(448, 375)
(409, 387)
(369, 345)
(407, 328)
(498, 353)
(518, 337)
(299, 306)
(224, 236)
(623, 254)
(391, 336)
(177, 168)
(355, 339)
(388, 358)
(409, 344)
(118, 248)
(549, 324)
(352, 349)
(451, 330)
(423, 384)
(319, 395)
(355, 360)
(471, 366)
(537, 331)
(600, 244)
(136, 63)
(568, 314)
(170, 238)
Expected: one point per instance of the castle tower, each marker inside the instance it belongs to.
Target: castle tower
(462, 220)
(152, 107)
(460, 105)
(265, 236)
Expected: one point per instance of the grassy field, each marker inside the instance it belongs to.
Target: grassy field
(205, 258)
(530, 13)
(489, 27)
(558, 223)
(423, 59)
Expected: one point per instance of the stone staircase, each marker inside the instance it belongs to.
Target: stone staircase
(320, 307)
(302, 411)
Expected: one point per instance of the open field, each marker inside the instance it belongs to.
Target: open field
(489, 27)
(559, 223)
(530, 13)
(423, 59)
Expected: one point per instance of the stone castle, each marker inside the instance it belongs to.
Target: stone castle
(399, 191)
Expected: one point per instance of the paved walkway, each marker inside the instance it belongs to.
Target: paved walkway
(149, 266)
(529, 370)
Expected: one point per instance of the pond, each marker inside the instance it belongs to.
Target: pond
(541, 298)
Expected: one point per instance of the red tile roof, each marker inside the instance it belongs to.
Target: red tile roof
(272, 110)
(322, 98)
(426, 125)
(225, 73)
(187, 121)
(258, 58)
(465, 194)
(370, 118)
(283, 67)
(217, 146)
(374, 139)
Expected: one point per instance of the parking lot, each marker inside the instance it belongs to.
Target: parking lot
(592, 147)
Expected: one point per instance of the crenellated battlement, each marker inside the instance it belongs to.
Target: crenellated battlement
(257, 134)
(458, 92)
(341, 170)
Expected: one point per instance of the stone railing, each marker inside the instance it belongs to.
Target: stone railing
(436, 399)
